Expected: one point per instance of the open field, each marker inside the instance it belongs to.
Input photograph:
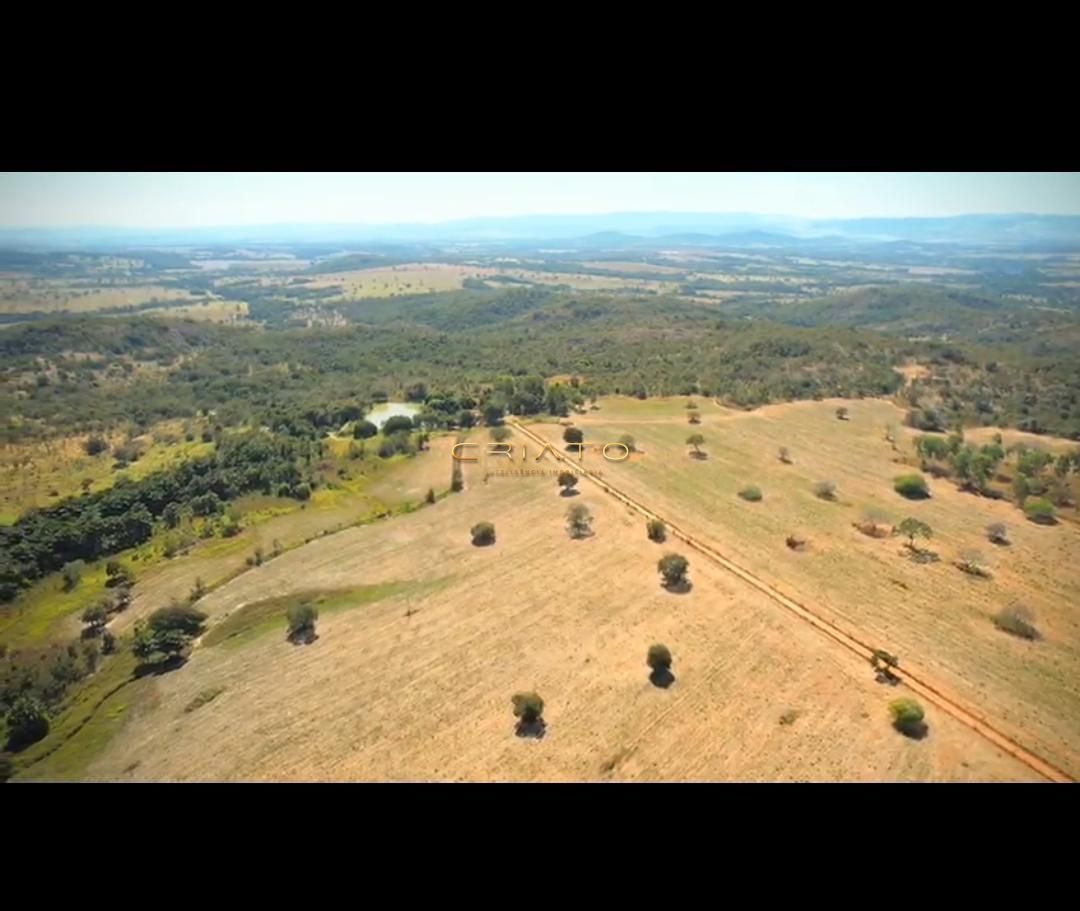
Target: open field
(414, 681)
(27, 296)
(936, 618)
(389, 281)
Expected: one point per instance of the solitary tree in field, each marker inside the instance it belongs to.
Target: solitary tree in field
(573, 437)
(429, 497)
(784, 455)
(997, 533)
(695, 440)
(301, 623)
(907, 717)
(673, 569)
(1017, 620)
(579, 521)
(628, 442)
(529, 710)
(695, 418)
(883, 663)
(567, 481)
(841, 414)
(911, 529)
(483, 534)
(825, 490)
(658, 659)
(656, 530)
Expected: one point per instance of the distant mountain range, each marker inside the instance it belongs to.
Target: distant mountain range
(587, 231)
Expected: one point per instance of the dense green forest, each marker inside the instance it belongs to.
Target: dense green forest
(89, 373)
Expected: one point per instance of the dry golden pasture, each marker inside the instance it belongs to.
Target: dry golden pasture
(417, 685)
(19, 295)
(936, 618)
(388, 281)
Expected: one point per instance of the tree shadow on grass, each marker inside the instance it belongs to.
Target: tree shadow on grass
(700, 456)
(160, 667)
(569, 492)
(303, 637)
(533, 729)
(679, 588)
(884, 676)
(915, 731)
(917, 555)
(661, 677)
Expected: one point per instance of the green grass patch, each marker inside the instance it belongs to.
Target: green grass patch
(253, 620)
(93, 712)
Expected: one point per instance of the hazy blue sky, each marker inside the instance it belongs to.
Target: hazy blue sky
(196, 199)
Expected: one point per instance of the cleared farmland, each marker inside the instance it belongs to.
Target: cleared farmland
(417, 684)
(936, 618)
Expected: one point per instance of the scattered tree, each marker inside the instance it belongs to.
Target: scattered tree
(398, 423)
(27, 721)
(907, 717)
(997, 533)
(911, 529)
(301, 622)
(1017, 620)
(429, 497)
(658, 659)
(579, 521)
(162, 640)
(483, 534)
(883, 664)
(573, 437)
(673, 568)
(794, 542)
(656, 530)
(628, 442)
(825, 490)
(364, 430)
(695, 418)
(528, 709)
(841, 414)
(751, 493)
(567, 481)
(695, 440)
(784, 455)
(911, 486)
(117, 574)
(95, 617)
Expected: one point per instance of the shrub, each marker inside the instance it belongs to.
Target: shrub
(907, 717)
(429, 497)
(628, 442)
(529, 707)
(656, 530)
(573, 436)
(1017, 620)
(483, 534)
(972, 563)
(95, 446)
(72, 573)
(1040, 511)
(997, 533)
(301, 621)
(795, 542)
(825, 490)
(567, 481)
(784, 455)
(874, 523)
(695, 418)
(751, 493)
(841, 414)
(659, 657)
(673, 568)
(912, 486)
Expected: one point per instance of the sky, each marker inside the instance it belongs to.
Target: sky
(205, 199)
